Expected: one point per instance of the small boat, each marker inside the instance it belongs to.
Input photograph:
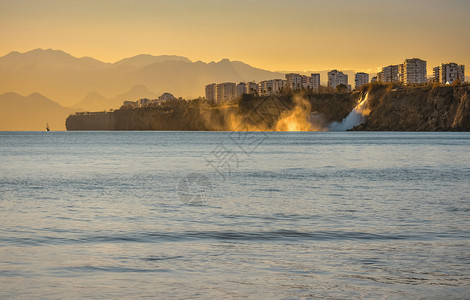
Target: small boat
(47, 127)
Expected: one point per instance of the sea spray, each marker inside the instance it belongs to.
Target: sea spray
(296, 119)
(356, 117)
(300, 118)
(272, 115)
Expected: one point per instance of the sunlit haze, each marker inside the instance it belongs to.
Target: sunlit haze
(232, 149)
(274, 35)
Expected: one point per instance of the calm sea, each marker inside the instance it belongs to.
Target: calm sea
(217, 215)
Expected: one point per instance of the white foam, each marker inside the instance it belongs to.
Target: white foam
(356, 117)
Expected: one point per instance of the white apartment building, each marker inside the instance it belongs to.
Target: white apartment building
(448, 73)
(305, 82)
(263, 88)
(226, 92)
(413, 71)
(276, 85)
(241, 89)
(271, 87)
(336, 78)
(294, 81)
(360, 79)
(211, 92)
(315, 82)
(251, 87)
(436, 73)
(247, 88)
(389, 74)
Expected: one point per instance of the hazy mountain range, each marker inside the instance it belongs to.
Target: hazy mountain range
(58, 83)
(85, 84)
(76, 82)
(32, 112)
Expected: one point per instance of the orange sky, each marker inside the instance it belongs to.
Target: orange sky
(270, 34)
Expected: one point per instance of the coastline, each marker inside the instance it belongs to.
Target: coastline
(391, 108)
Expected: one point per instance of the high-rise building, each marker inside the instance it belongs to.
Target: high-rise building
(373, 79)
(241, 89)
(388, 74)
(251, 88)
(305, 82)
(413, 71)
(448, 73)
(294, 81)
(211, 92)
(263, 88)
(315, 82)
(226, 92)
(271, 87)
(360, 79)
(436, 72)
(276, 85)
(336, 78)
(247, 88)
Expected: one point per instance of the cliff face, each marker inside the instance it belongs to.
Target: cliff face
(176, 116)
(91, 121)
(444, 108)
(252, 113)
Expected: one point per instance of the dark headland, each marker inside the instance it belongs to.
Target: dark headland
(392, 108)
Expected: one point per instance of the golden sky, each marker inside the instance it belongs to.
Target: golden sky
(269, 34)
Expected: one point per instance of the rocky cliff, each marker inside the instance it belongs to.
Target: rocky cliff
(392, 108)
(442, 108)
(251, 113)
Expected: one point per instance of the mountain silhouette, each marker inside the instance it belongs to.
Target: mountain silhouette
(87, 84)
(53, 60)
(143, 60)
(69, 80)
(96, 102)
(31, 113)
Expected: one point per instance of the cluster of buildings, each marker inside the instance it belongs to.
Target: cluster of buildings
(414, 71)
(228, 91)
(448, 73)
(411, 72)
(147, 102)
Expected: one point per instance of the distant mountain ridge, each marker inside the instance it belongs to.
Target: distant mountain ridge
(70, 80)
(31, 112)
(50, 59)
(96, 102)
(143, 60)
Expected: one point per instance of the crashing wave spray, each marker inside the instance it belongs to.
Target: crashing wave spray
(300, 118)
(357, 116)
